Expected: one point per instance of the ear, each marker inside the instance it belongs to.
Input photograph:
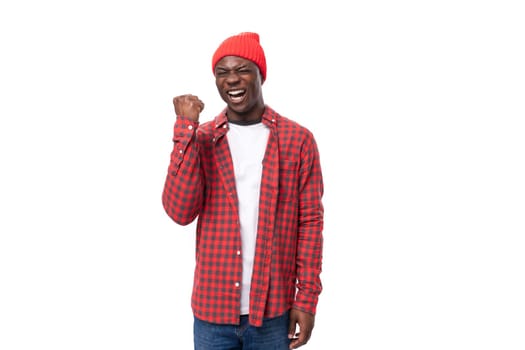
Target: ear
(260, 75)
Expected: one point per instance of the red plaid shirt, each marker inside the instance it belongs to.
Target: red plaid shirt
(288, 256)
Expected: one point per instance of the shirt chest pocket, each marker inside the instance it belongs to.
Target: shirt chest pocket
(288, 181)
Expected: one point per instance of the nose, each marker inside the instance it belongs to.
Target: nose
(232, 77)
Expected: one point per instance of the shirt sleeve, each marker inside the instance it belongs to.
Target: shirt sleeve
(310, 229)
(184, 186)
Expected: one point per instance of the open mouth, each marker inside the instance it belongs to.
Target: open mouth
(236, 96)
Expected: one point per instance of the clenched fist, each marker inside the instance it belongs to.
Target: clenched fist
(188, 106)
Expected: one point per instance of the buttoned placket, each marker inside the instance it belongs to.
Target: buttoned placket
(220, 132)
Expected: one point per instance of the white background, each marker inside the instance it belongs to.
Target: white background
(418, 110)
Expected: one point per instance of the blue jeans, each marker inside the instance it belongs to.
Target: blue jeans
(272, 335)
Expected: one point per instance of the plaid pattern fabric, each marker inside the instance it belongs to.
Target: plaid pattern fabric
(200, 183)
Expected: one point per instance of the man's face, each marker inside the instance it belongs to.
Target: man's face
(239, 83)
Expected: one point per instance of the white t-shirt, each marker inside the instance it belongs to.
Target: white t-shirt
(247, 146)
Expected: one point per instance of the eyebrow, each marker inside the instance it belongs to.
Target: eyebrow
(241, 66)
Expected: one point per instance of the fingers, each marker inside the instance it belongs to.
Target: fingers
(189, 99)
(299, 340)
(188, 105)
(305, 322)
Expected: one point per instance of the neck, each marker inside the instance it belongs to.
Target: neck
(249, 117)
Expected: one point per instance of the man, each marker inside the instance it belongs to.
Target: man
(253, 178)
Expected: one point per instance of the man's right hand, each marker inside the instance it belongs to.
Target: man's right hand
(188, 106)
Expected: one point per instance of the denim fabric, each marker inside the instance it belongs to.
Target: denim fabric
(273, 335)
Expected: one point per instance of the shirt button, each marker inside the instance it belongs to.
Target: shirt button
(237, 284)
(225, 126)
(190, 127)
(180, 151)
(238, 252)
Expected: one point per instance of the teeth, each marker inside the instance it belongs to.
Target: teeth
(235, 92)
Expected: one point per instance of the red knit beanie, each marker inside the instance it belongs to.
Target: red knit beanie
(245, 45)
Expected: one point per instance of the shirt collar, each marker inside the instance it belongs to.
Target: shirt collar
(269, 118)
